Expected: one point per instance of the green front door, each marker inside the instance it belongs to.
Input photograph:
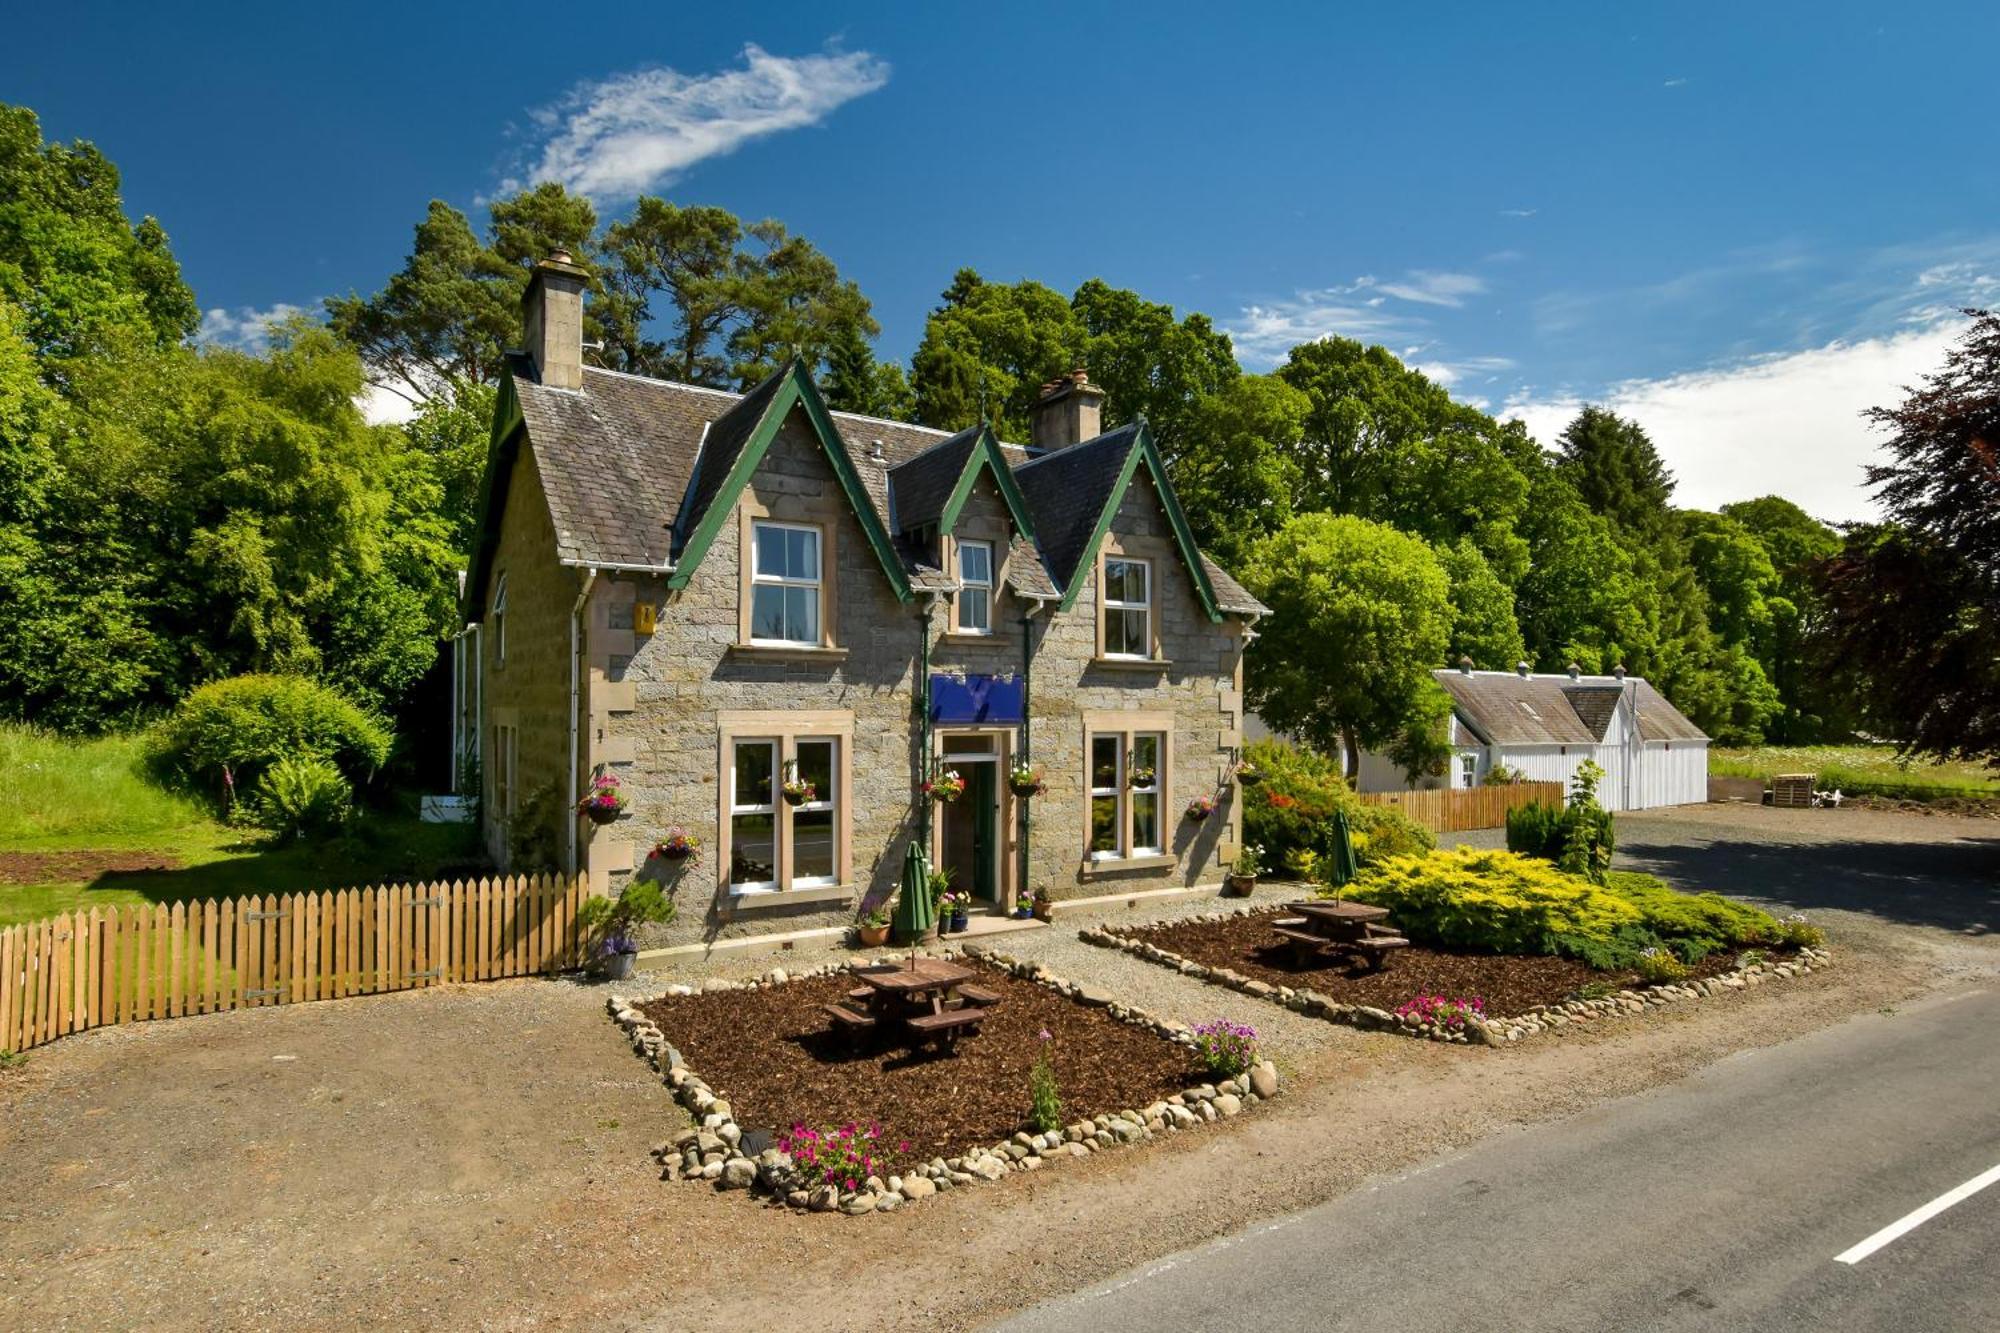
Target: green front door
(982, 798)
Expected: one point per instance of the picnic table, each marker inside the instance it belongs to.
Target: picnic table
(1327, 929)
(929, 999)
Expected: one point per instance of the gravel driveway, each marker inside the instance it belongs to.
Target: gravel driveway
(476, 1156)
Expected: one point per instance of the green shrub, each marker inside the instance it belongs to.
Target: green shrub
(1535, 830)
(303, 798)
(1044, 1096)
(1291, 810)
(1577, 836)
(1795, 932)
(1657, 967)
(245, 724)
(1502, 902)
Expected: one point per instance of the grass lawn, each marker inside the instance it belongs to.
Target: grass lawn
(1873, 769)
(82, 826)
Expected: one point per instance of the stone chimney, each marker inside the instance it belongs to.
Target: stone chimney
(1070, 411)
(1575, 671)
(1522, 668)
(552, 321)
(1464, 666)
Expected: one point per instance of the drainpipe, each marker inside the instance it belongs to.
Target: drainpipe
(575, 699)
(924, 722)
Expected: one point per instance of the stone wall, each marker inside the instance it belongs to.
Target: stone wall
(654, 701)
(529, 691)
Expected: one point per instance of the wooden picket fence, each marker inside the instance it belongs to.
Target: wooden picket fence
(1449, 811)
(92, 969)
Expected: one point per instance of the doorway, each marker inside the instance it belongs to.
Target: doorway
(970, 835)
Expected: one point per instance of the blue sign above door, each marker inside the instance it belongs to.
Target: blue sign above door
(977, 701)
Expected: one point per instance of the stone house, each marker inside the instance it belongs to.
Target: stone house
(705, 594)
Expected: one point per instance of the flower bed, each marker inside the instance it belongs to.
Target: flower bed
(908, 1122)
(1519, 995)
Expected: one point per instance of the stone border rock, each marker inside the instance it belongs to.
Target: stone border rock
(1489, 1031)
(712, 1150)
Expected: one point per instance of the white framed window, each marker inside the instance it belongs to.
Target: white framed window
(753, 815)
(1468, 767)
(785, 584)
(498, 620)
(773, 844)
(1143, 785)
(1107, 797)
(815, 846)
(1128, 608)
(975, 588)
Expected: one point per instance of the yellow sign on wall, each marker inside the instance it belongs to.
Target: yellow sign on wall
(642, 617)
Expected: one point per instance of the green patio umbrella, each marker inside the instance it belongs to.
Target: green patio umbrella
(915, 912)
(1341, 868)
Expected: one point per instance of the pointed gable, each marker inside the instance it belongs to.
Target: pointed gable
(1074, 492)
(736, 443)
(930, 490)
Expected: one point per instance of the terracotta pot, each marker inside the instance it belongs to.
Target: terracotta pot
(873, 937)
(1239, 886)
(1045, 909)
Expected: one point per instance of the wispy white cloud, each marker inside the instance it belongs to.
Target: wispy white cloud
(1788, 425)
(1428, 287)
(1519, 212)
(614, 138)
(245, 328)
(1674, 83)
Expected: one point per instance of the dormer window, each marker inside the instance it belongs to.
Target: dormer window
(1128, 608)
(785, 584)
(975, 588)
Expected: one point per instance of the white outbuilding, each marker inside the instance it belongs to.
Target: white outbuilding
(1543, 726)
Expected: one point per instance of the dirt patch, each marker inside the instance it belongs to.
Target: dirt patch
(1509, 984)
(1966, 807)
(771, 1055)
(66, 867)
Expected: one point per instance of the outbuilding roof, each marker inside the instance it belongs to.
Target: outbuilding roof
(1507, 708)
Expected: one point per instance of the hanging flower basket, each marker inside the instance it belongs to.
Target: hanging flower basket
(1025, 782)
(795, 789)
(1248, 774)
(1140, 776)
(1200, 808)
(948, 785)
(605, 801)
(678, 846)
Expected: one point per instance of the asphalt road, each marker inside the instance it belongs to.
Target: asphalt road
(1717, 1203)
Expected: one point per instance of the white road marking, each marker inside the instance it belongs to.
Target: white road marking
(1904, 1225)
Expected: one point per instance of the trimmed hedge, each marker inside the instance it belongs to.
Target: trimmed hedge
(1501, 902)
(248, 723)
(1291, 810)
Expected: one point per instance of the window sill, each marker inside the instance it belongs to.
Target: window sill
(1131, 663)
(736, 904)
(967, 636)
(1093, 869)
(772, 652)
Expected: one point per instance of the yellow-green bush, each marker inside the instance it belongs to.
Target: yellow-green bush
(1501, 902)
(1291, 810)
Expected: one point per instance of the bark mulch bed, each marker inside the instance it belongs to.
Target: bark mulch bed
(1508, 983)
(769, 1053)
(65, 867)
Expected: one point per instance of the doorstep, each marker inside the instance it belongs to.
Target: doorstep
(992, 923)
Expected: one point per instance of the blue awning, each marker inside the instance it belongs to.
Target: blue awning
(964, 701)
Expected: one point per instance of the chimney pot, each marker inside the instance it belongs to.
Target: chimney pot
(1069, 411)
(1619, 671)
(1575, 671)
(1522, 668)
(1464, 666)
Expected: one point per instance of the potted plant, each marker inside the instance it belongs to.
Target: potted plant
(611, 925)
(1243, 872)
(1045, 905)
(1139, 775)
(1024, 909)
(940, 887)
(958, 902)
(1248, 774)
(795, 789)
(605, 802)
(946, 786)
(873, 927)
(678, 846)
(1200, 808)
(1025, 781)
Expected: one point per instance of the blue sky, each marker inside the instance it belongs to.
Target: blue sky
(1738, 223)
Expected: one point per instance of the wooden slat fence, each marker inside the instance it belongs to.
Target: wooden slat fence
(1454, 811)
(93, 968)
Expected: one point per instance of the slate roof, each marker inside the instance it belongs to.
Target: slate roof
(627, 459)
(1509, 709)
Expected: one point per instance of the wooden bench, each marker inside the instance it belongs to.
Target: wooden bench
(978, 995)
(861, 993)
(849, 1018)
(944, 1027)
